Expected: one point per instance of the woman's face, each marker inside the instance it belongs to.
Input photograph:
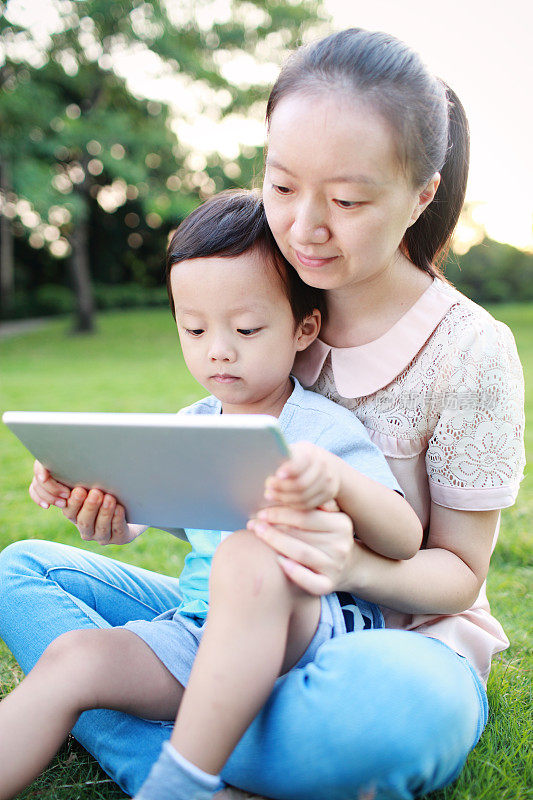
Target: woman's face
(336, 198)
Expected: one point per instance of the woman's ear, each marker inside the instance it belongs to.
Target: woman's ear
(308, 330)
(425, 197)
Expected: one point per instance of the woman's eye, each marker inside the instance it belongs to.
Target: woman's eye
(195, 331)
(348, 203)
(281, 189)
(247, 331)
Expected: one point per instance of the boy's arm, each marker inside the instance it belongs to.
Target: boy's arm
(382, 519)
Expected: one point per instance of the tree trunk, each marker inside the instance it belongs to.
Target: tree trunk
(81, 278)
(7, 262)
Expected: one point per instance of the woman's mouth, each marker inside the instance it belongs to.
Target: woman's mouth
(314, 262)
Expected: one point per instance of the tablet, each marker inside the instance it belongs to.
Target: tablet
(168, 470)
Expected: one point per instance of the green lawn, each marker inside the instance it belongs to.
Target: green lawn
(134, 364)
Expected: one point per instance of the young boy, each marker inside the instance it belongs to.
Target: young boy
(242, 315)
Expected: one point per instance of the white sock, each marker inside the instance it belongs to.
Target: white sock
(172, 777)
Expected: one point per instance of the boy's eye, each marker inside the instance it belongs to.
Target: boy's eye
(247, 331)
(195, 331)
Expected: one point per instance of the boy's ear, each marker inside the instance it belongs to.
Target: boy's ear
(308, 330)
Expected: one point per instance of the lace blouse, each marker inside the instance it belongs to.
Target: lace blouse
(441, 394)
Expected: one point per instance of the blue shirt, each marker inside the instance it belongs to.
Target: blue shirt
(306, 416)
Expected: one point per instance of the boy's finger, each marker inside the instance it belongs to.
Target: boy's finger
(36, 497)
(43, 479)
(119, 530)
(302, 520)
(87, 516)
(102, 526)
(75, 503)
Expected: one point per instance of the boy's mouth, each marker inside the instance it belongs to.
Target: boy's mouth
(224, 378)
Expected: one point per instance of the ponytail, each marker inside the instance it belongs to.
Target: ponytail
(427, 242)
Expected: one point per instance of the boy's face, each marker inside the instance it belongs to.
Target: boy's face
(237, 330)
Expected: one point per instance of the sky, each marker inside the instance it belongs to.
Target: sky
(481, 48)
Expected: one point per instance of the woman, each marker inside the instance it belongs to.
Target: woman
(365, 177)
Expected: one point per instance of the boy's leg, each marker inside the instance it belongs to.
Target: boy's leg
(80, 670)
(259, 625)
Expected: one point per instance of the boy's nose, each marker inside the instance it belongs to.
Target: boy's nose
(221, 352)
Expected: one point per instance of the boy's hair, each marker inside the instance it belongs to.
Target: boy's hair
(232, 223)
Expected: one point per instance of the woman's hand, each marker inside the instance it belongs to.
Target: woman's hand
(307, 480)
(316, 548)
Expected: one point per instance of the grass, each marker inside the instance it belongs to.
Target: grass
(134, 364)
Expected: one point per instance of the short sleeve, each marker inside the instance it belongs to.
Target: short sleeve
(475, 456)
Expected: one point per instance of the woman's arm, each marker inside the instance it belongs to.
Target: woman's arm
(444, 578)
(382, 518)
(320, 555)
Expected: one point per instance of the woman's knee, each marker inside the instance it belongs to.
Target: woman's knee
(406, 702)
(24, 557)
(381, 711)
(17, 553)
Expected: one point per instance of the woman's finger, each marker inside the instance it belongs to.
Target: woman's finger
(315, 520)
(293, 547)
(311, 582)
(330, 505)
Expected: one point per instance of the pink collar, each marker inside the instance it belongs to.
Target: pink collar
(362, 370)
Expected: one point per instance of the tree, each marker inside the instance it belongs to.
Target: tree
(76, 137)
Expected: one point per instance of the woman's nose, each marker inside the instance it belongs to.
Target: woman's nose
(309, 225)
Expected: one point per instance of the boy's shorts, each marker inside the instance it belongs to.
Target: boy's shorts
(174, 637)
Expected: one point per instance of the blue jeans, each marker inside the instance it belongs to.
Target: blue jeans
(387, 712)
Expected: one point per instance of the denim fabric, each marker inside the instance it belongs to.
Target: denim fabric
(175, 637)
(386, 712)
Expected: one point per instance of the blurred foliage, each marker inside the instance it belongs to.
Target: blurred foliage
(80, 148)
(491, 272)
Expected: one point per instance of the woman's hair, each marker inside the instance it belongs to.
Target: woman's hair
(426, 116)
(232, 223)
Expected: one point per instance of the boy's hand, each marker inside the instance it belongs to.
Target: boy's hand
(45, 491)
(97, 516)
(308, 480)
